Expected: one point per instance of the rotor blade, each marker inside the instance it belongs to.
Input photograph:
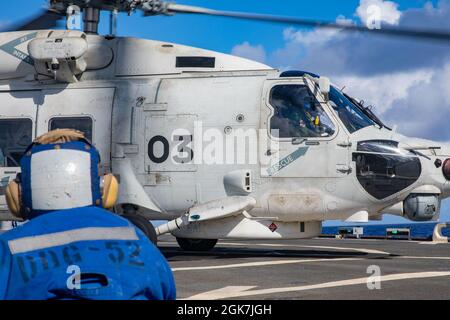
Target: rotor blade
(389, 31)
(45, 20)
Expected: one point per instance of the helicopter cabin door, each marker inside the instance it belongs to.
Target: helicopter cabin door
(85, 109)
(304, 140)
(17, 130)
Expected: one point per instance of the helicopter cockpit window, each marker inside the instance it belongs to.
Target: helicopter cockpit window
(15, 136)
(297, 113)
(83, 124)
(352, 117)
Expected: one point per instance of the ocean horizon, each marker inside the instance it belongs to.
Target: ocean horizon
(418, 230)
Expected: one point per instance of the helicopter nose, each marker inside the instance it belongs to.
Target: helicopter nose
(435, 161)
(446, 169)
(446, 174)
(442, 165)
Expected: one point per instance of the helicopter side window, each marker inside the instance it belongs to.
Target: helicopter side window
(15, 136)
(83, 124)
(298, 114)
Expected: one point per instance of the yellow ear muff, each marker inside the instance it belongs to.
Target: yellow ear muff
(13, 198)
(110, 191)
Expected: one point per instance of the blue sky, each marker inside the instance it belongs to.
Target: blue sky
(399, 77)
(220, 34)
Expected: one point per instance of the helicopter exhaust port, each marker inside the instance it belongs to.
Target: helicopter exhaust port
(446, 169)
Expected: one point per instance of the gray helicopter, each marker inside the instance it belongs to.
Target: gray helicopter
(219, 146)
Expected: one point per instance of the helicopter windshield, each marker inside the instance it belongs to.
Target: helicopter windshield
(352, 116)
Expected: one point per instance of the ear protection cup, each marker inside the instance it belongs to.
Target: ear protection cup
(110, 191)
(13, 198)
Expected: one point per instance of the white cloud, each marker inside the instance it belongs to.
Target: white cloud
(416, 101)
(383, 91)
(246, 50)
(313, 37)
(380, 10)
(298, 41)
(425, 111)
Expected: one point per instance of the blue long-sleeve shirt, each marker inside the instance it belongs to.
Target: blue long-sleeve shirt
(83, 253)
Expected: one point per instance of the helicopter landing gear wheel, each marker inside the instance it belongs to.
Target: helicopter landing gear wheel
(196, 244)
(144, 225)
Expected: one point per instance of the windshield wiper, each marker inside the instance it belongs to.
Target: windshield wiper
(367, 111)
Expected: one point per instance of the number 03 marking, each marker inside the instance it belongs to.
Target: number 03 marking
(183, 153)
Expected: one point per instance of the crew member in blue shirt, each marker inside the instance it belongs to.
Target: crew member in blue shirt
(71, 247)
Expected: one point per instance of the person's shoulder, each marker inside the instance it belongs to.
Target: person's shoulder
(148, 247)
(63, 220)
(105, 215)
(92, 216)
(17, 232)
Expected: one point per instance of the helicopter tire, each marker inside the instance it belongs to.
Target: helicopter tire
(199, 245)
(144, 225)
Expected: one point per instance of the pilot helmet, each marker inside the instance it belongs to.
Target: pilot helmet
(59, 171)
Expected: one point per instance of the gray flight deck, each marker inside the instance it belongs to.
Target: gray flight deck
(311, 269)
